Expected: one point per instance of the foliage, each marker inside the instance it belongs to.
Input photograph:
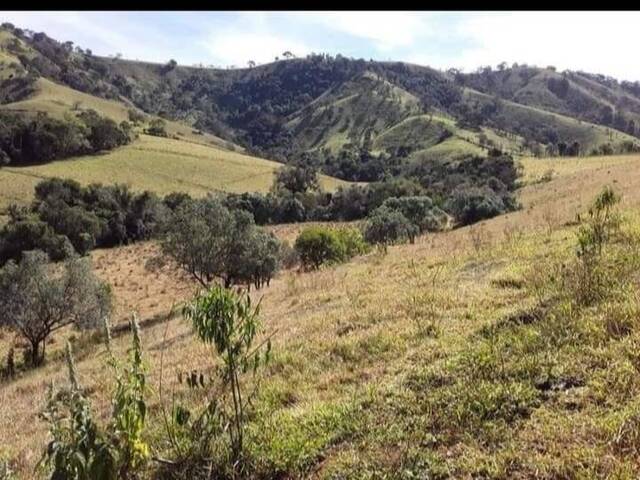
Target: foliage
(229, 322)
(419, 210)
(210, 241)
(40, 139)
(37, 300)
(80, 448)
(129, 408)
(589, 276)
(318, 245)
(157, 128)
(296, 179)
(470, 205)
(66, 216)
(385, 226)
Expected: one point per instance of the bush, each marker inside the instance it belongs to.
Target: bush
(470, 205)
(419, 210)
(81, 449)
(385, 226)
(319, 245)
(353, 241)
(31, 234)
(157, 128)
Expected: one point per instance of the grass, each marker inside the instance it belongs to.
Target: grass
(161, 165)
(357, 390)
(58, 100)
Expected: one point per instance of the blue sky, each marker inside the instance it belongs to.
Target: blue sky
(599, 42)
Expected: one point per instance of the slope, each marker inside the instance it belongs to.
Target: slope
(161, 165)
(423, 360)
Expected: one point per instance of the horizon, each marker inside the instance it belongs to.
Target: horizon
(462, 40)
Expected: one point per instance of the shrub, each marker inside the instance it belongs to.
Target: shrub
(470, 205)
(419, 210)
(37, 301)
(31, 234)
(353, 241)
(157, 128)
(80, 448)
(589, 278)
(385, 226)
(319, 245)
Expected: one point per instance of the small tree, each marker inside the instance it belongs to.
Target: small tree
(229, 322)
(37, 299)
(157, 127)
(318, 245)
(385, 226)
(296, 179)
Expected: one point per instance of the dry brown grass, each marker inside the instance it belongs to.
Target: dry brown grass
(339, 329)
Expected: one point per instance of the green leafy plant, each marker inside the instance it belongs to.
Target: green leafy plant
(129, 407)
(80, 448)
(228, 321)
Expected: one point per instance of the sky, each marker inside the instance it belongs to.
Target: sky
(596, 42)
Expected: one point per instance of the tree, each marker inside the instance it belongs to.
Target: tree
(157, 127)
(419, 210)
(472, 204)
(229, 322)
(209, 241)
(36, 300)
(297, 179)
(251, 64)
(385, 226)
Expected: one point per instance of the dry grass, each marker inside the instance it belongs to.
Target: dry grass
(348, 336)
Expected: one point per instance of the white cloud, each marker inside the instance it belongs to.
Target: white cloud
(597, 42)
(238, 47)
(388, 30)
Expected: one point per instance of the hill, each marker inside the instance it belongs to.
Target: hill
(393, 362)
(324, 104)
(589, 97)
(161, 165)
(186, 160)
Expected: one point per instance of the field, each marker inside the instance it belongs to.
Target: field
(406, 361)
(161, 165)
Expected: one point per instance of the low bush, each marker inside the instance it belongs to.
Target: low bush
(320, 245)
(386, 226)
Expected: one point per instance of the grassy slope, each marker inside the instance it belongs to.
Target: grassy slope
(569, 129)
(356, 388)
(364, 105)
(161, 165)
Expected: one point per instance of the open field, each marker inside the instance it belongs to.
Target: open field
(356, 386)
(161, 165)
